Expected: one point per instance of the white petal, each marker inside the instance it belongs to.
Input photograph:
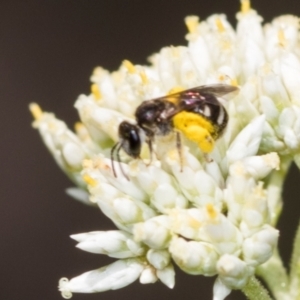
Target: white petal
(114, 276)
(167, 276)
(221, 291)
(248, 140)
(79, 194)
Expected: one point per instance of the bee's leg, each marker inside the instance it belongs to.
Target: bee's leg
(119, 161)
(150, 145)
(207, 158)
(179, 149)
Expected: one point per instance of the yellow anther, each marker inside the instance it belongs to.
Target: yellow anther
(78, 126)
(211, 211)
(97, 71)
(144, 77)
(35, 110)
(194, 223)
(89, 180)
(175, 52)
(234, 82)
(87, 163)
(220, 25)
(245, 6)
(191, 23)
(96, 91)
(129, 66)
(281, 38)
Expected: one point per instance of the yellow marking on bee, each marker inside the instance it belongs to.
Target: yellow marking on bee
(245, 6)
(96, 91)
(174, 90)
(191, 23)
(35, 110)
(211, 211)
(196, 128)
(129, 66)
(89, 180)
(219, 25)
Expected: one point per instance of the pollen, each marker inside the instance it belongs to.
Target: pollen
(196, 128)
(174, 90)
(129, 66)
(234, 82)
(144, 77)
(191, 23)
(272, 160)
(78, 126)
(245, 6)
(281, 38)
(219, 25)
(212, 213)
(96, 91)
(35, 110)
(89, 180)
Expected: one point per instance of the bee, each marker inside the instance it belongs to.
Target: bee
(197, 113)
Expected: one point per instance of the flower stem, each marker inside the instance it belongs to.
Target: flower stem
(295, 267)
(275, 276)
(255, 291)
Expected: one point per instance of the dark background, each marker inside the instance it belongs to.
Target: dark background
(48, 50)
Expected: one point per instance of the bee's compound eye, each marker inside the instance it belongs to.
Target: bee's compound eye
(130, 139)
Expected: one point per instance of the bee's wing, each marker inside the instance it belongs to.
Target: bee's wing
(217, 90)
(201, 92)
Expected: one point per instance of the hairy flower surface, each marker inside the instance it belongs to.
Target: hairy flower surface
(210, 216)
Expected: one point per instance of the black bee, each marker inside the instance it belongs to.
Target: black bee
(197, 113)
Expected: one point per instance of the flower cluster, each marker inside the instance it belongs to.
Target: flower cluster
(210, 217)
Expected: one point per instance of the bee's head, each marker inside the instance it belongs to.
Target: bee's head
(130, 139)
(130, 142)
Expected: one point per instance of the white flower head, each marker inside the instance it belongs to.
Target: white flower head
(211, 214)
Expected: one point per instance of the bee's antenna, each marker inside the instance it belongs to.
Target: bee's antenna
(112, 158)
(119, 161)
(179, 149)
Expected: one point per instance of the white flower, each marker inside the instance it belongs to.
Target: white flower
(209, 215)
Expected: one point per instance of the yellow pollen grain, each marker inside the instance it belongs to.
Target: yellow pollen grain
(211, 211)
(191, 23)
(219, 25)
(129, 66)
(89, 180)
(96, 91)
(245, 6)
(144, 77)
(35, 110)
(281, 38)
